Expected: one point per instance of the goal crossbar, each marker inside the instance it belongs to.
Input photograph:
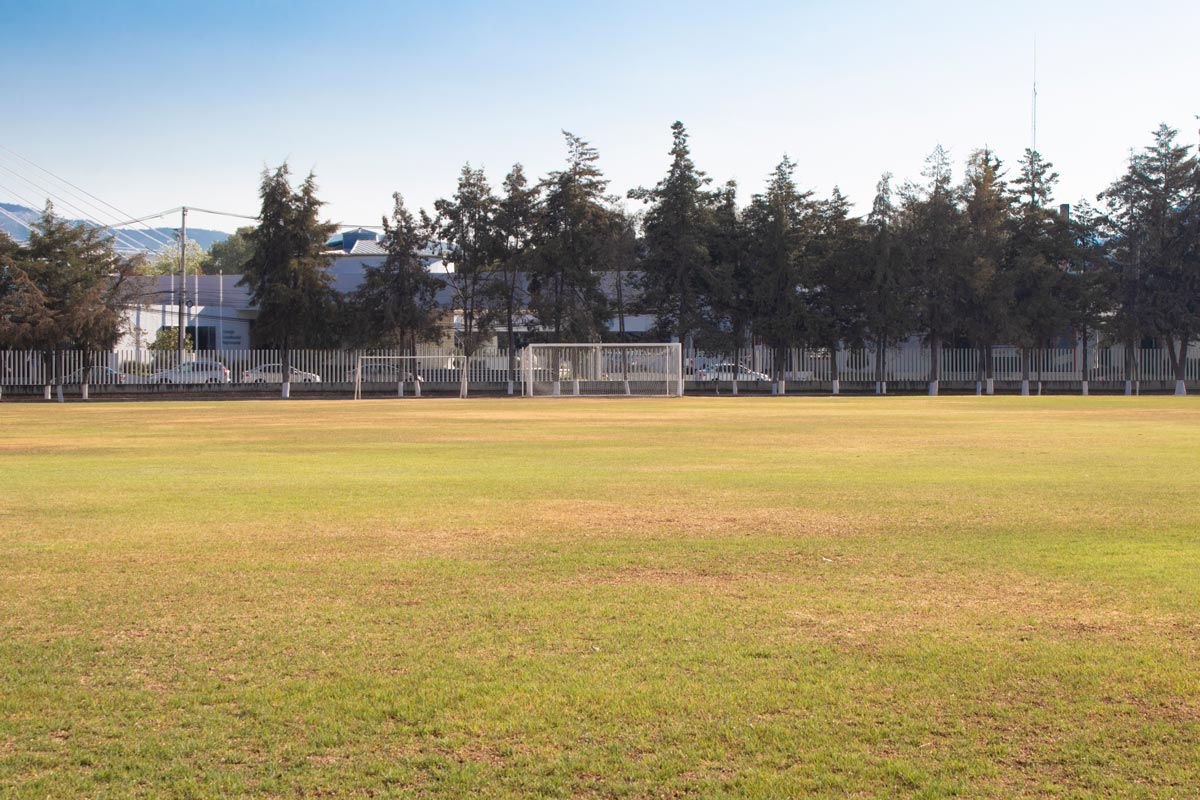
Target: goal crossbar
(602, 370)
(410, 371)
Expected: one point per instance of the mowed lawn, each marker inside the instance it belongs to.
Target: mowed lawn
(711, 597)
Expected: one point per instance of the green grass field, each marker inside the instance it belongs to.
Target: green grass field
(752, 597)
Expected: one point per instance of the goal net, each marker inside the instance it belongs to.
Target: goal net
(409, 373)
(602, 370)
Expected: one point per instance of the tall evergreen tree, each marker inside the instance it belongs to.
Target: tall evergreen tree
(516, 227)
(887, 285)
(1044, 245)
(68, 288)
(837, 298)
(781, 225)
(677, 276)
(566, 292)
(469, 239)
(26, 320)
(987, 316)
(733, 301)
(933, 229)
(396, 304)
(1151, 221)
(287, 273)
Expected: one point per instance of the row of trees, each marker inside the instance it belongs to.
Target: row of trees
(983, 260)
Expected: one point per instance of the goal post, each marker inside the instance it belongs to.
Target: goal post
(602, 370)
(409, 372)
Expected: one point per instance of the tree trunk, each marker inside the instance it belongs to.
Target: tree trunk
(1130, 358)
(1179, 362)
(881, 365)
(1083, 366)
(979, 358)
(87, 374)
(1024, 371)
(512, 352)
(989, 365)
(935, 364)
(285, 373)
(836, 368)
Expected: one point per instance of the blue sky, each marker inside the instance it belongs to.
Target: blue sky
(154, 105)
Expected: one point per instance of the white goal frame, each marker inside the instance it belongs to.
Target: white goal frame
(602, 370)
(415, 370)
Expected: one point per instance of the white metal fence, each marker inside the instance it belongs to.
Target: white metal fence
(958, 365)
(134, 367)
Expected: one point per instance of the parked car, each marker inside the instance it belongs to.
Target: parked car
(199, 371)
(729, 372)
(96, 375)
(273, 373)
(393, 373)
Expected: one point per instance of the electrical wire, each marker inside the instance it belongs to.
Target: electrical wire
(117, 235)
(164, 239)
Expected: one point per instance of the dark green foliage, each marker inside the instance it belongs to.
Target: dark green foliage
(1044, 246)
(468, 237)
(987, 305)
(678, 279)
(25, 317)
(516, 221)
(1154, 223)
(287, 273)
(70, 286)
(781, 224)
(573, 247)
(230, 256)
(396, 305)
(840, 259)
(888, 290)
(934, 227)
(729, 247)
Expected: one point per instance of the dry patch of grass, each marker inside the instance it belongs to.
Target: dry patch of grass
(761, 598)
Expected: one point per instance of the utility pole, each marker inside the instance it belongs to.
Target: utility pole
(182, 281)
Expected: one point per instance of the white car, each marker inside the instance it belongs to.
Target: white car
(727, 372)
(199, 371)
(273, 373)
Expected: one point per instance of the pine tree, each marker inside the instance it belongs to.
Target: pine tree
(837, 300)
(781, 225)
(26, 320)
(933, 231)
(1152, 221)
(396, 303)
(469, 238)
(287, 273)
(677, 277)
(516, 221)
(988, 305)
(566, 294)
(1043, 246)
(887, 285)
(733, 301)
(74, 287)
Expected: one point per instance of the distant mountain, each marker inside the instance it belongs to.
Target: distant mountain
(138, 237)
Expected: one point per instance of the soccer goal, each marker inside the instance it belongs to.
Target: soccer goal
(409, 373)
(602, 370)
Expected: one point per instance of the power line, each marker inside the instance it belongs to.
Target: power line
(67, 204)
(93, 210)
(16, 219)
(77, 188)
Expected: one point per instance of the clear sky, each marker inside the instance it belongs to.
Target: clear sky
(151, 105)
